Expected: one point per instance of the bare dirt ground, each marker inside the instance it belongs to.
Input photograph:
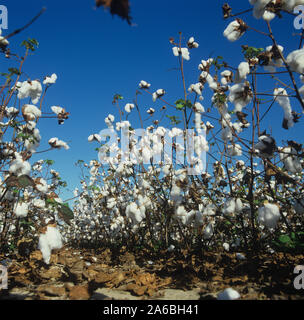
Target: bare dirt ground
(105, 274)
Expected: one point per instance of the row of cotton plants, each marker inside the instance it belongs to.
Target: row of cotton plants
(251, 193)
(30, 207)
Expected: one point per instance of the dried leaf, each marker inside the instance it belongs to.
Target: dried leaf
(118, 7)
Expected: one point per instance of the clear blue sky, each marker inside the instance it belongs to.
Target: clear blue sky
(96, 55)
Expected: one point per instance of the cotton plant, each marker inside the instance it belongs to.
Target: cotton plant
(28, 192)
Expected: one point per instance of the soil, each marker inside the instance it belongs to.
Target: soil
(105, 274)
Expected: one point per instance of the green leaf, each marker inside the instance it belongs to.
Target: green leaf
(65, 212)
(30, 44)
(49, 162)
(20, 182)
(285, 239)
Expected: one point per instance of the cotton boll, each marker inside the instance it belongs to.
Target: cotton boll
(240, 95)
(58, 144)
(208, 231)
(11, 112)
(171, 248)
(19, 166)
(21, 209)
(198, 107)
(266, 146)
(227, 77)
(229, 207)
(295, 60)
(49, 241)
(144, 85)
(134, 212)
(184, 52)
(30, 112)
(240, 256)
(32, 89)
(94, 137)
(242, 72)
(192, 44)
(284, 102)
(226, 134)
(228, 294)
(206, 77)
(50, 79)
(157, 94)
(226, 246)
(39, 203)
(197, 88)
(288, 156)
(269, 215)
(176, 194)
(234, 150)
(235, 30)
(41, 185)
(44, 247)
(129, 107)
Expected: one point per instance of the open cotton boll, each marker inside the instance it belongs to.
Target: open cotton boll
(39, 203)
(295, 60)
(49, 241)
(197, 88)
(269, 215)
(3, 42)
(235, 30)
(192, 44)
(57, 110)
(129, 107)
(11, 112)
(242, 72)
(205, 76)
(229, 206)
(32, 89)
(283, 100)
(260, 10)
(228, 294)
(240, 95)
(144, 85)
(135, 213)
(19, 167)
(58, 144)
(50, 79)
(227, 77)
(208, 231)
(41, 185)
(21, 209)
(94, 137)
(199, 107)
(266, 146)
(234, 150)
(292, 163)
(157, 94)
(184, 52)
(30, 112)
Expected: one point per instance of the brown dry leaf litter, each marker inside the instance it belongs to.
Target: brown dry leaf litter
(81, 274)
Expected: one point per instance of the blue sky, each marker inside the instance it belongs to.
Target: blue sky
(96, 56)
